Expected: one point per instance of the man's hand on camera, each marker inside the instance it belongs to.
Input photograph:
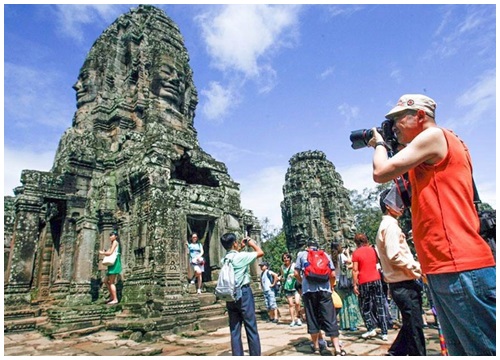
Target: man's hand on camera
(376, 138)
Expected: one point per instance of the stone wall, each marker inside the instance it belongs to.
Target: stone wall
(316, 204)
(131, 161)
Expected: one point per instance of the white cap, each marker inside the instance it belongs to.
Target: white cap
(413, 102)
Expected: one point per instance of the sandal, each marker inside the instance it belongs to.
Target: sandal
(315, 350)
(340, 353)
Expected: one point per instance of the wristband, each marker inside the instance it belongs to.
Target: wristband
(379, 143)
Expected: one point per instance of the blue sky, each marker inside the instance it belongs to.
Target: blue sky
(273, 80)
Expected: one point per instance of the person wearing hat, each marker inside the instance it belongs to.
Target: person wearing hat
(267, 288)
(401, 272)
(115, 269)
(317, 297)
(458, 263)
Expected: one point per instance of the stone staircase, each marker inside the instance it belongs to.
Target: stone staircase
(23, 320)
(188, 313)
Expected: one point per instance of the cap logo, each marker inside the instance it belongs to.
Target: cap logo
(410, 102)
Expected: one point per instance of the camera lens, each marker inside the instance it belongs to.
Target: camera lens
(360, 138)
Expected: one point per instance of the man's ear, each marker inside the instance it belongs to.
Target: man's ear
(421, 114)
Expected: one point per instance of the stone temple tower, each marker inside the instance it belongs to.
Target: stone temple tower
(130, 161)
(316, 204)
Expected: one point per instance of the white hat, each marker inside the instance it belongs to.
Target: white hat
(413, 102)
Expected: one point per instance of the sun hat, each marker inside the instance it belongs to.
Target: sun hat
(413, 102)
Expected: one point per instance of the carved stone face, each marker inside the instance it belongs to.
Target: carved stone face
(169, 82)
(85, 87)
(348, 230)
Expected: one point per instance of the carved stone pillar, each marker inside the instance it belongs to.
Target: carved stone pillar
(23, 249)
(86, 259)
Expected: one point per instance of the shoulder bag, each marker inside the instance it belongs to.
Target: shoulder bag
(109, 260)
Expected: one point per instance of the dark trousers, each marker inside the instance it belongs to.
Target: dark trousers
(320, 313)
(243, 312)
(410, 340)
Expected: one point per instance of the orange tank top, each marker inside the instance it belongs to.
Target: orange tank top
(444, 218)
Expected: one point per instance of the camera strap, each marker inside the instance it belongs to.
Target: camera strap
(404, 189)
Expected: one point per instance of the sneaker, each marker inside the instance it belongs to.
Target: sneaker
(198, 291)
(369, 334)
(298, 322)
(192, 282)
(384, 337)
(293, 323)
(275, 321)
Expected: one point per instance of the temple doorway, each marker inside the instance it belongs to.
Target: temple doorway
(204, 226)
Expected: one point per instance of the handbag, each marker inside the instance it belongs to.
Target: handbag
(109, 260)
(345, 282)
(289, 282)
(337, 301)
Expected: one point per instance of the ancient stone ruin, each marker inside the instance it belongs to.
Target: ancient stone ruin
(130, 161)
(316, 204)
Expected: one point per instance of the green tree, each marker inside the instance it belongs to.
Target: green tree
(367, 213)
(366, 209)
(268, 230)
(273, 249)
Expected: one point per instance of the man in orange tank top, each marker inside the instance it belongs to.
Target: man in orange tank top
(458, 263)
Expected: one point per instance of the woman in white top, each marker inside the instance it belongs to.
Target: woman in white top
(196, 260)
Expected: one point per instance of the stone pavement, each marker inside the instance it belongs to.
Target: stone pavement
(276, 340)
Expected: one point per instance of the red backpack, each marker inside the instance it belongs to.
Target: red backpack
(317, 267)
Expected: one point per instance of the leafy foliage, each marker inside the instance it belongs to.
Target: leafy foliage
(273, 249)
(268, 231)
(366, 209)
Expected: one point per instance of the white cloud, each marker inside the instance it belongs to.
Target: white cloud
(357, 176)
(15, 161)
(262, 192)
(326, 73)
(479, 101)
(396, 75)
(344, 10)
(474, 32)
(487, 193)
(34, 91)
(72, 18)
(238, 37)
(219, 101)
(348, 112)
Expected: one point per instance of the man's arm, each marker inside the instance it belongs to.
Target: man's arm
(256, 247)
(429, 146)
(333, 279)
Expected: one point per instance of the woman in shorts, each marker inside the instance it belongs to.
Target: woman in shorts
(196, 260)
(289, 287)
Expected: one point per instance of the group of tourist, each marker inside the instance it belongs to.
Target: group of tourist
(455, 262)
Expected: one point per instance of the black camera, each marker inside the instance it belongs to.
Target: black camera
(360, 138)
